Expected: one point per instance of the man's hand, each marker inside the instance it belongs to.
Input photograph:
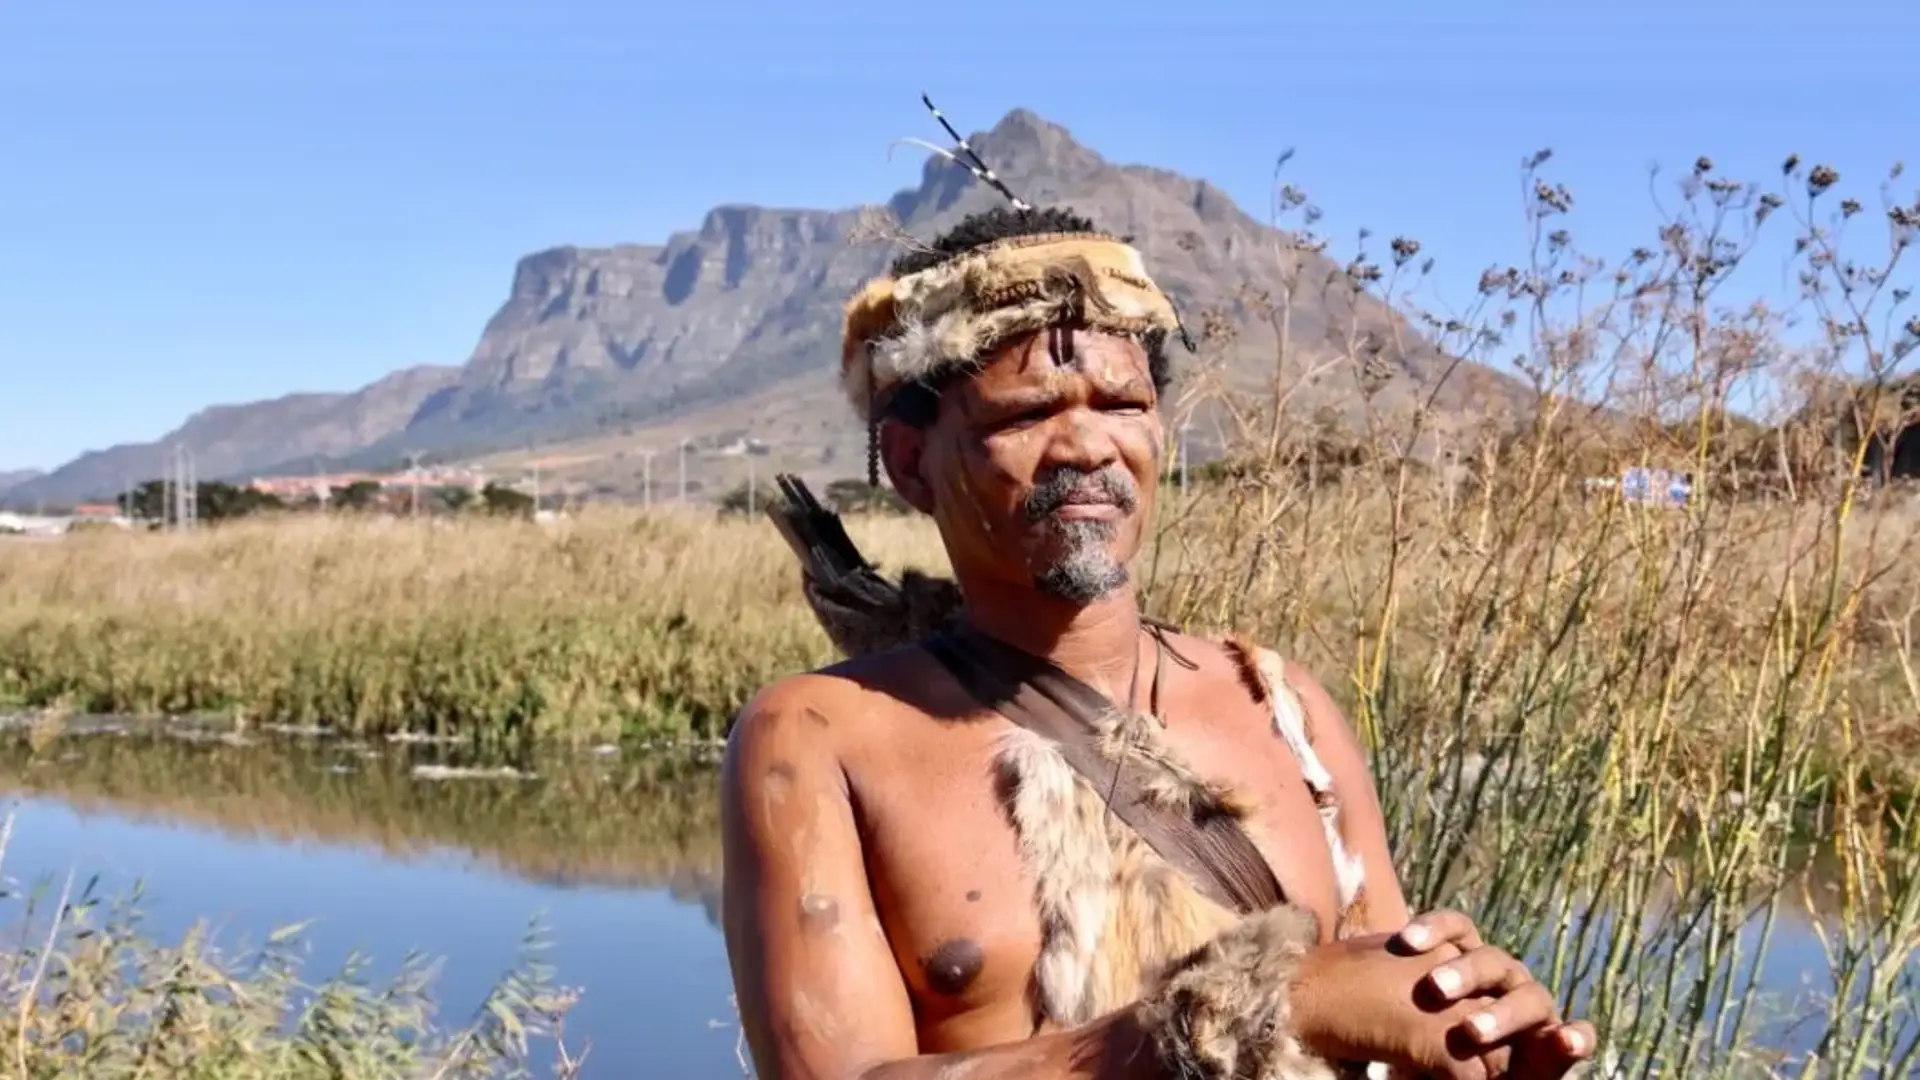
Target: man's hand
(1438, 1000)
(1512, 1019)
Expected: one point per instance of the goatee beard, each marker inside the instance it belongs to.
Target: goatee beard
(1084, 571)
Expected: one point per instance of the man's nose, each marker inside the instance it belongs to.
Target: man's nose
(1080, 441)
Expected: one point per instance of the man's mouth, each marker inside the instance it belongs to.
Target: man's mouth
(1088, 510)
(1099, 496)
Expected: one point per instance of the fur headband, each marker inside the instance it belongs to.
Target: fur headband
(944, 318)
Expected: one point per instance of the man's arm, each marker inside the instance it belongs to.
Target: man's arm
(1362, 823)
(819, 992)
(1546, 1047)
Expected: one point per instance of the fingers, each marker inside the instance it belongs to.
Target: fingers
(1545, 1054)
(1551, 1053)
(1435, 927)
(1528, 1006)
(1483, 972)
(1509, 1019)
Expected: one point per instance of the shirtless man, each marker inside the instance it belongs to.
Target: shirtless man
(916, 887)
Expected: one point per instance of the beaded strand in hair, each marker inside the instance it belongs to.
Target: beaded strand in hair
(873, 432)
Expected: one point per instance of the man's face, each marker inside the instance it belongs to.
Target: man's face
(1041, 467)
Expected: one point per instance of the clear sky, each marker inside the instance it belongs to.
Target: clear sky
(207, 201)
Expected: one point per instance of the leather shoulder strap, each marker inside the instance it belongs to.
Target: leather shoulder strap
(1213, 851)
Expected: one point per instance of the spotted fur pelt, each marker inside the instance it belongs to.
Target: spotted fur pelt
(1120, 926)
(1225, 1013)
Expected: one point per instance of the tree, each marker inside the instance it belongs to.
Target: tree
(455, 499)
(505, 501)
(359, 495)
(213, 501)
(851, 496)
(736, 501)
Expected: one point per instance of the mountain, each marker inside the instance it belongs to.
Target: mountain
(707, 335)
(13, 478)
(231, 441)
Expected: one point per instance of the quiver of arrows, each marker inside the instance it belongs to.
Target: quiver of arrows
(861, 611)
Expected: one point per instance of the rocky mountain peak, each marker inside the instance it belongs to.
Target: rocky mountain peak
(738, 317)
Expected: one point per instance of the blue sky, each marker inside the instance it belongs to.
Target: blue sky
(207, 201)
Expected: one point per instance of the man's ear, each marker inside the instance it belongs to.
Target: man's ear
(903, 450)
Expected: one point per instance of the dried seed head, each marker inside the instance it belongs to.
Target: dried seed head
(1554, 197)
(1820, 179)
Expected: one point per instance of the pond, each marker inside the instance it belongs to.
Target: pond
(390, 847)
(394, 847)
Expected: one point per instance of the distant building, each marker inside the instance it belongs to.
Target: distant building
(322, 485)
(1656, 487)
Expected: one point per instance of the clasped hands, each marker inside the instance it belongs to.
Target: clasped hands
(1435, 1000)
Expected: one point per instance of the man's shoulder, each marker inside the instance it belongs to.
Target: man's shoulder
(1262, 671)
(835, 698)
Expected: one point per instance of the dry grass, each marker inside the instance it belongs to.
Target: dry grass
(618, 623)
(615, 624)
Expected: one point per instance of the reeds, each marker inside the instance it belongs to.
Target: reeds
(86, 994)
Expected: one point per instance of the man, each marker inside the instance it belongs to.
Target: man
(919, 884)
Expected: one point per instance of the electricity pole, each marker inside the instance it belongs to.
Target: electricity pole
(413, 468)
(683, 470)
(751, 476)
(646, 478)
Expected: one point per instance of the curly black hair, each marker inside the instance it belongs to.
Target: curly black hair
(979, 230)
(917, 403)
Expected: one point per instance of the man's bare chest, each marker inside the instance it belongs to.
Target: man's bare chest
(953, 886)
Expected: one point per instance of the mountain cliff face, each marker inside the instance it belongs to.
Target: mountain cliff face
(632, 337)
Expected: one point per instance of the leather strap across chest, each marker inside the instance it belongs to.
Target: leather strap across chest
(1212, 849)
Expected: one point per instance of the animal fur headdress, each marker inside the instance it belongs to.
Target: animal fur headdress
(923, 325)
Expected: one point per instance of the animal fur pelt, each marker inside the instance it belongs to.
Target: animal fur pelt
(947, 316)
(1224, 1013)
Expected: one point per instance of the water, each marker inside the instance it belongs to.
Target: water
(394, 847)
(620, 859)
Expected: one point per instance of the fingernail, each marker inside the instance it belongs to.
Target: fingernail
(1415, 936)
(1482, 1024)
(1576, 1042)
(1446, 980)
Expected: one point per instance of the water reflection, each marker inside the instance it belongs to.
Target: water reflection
(398, 847)
(619, 856)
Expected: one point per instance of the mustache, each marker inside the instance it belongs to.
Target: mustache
(1062, 486)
